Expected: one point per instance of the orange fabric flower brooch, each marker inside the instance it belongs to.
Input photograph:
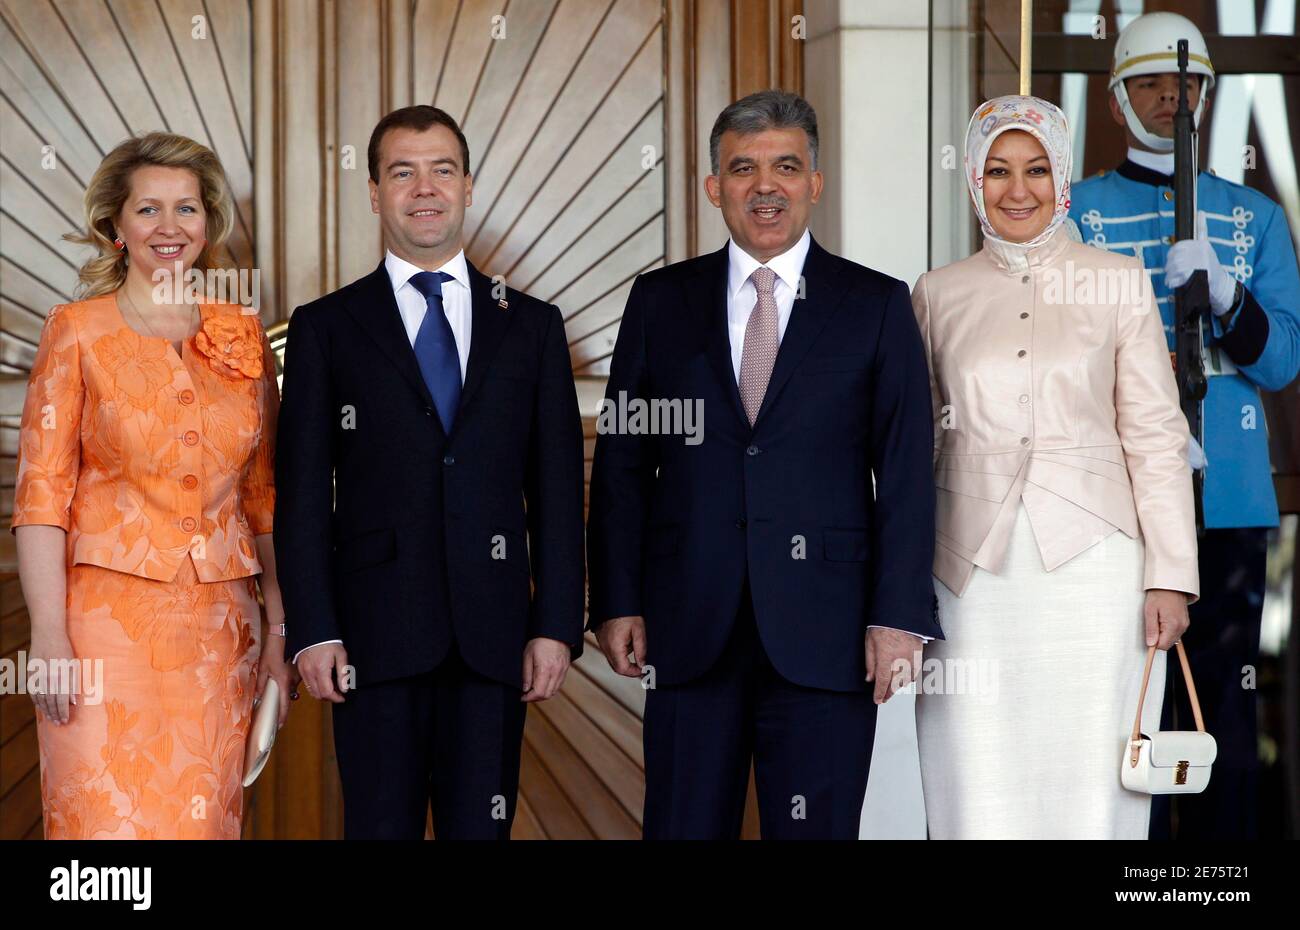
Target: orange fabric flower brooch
(232, 344)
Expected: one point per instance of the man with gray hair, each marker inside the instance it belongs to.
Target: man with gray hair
(764, 589)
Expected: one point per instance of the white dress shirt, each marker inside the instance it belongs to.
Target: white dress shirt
(455, 300)
(742, 297)
(412, 306)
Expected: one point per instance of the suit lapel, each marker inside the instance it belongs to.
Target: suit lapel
(706, 293)
(488, 324)
(374, 308)
(822, 293)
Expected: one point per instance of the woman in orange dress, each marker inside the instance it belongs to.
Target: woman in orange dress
(143, 514)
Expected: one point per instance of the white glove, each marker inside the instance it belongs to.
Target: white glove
(1195, 455)
(1197, 254)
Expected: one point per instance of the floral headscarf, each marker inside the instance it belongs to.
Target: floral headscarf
(1042, 120)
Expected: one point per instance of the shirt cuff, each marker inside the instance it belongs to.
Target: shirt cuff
(877, 626)
(313, 646)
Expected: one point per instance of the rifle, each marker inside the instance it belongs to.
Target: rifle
(1192, 300)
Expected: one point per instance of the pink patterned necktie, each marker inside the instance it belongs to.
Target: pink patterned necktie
(759, 352)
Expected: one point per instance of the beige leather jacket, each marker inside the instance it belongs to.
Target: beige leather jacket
(1051, 384)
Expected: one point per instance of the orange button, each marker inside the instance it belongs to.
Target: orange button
(189, 482)
(191, 438)
(188, 524)
(187, 396)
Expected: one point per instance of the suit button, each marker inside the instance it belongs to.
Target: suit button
(189, 482)
(753, 450)
(1024, 316)
(428, 411)
(1025, 279)
(1021, 354)
(449, 460)
(1024, 440)
(188, 524)
(740, 524)
(1024, 398)
(187, 396)
(191, 438)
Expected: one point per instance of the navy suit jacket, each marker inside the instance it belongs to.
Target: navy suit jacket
(394, 536)
(675, 530)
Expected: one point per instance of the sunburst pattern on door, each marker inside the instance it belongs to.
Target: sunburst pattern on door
(562, 104)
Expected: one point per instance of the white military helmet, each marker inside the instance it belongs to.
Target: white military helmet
(1149, 45)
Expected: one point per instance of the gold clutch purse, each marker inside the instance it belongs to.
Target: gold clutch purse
(261, 734)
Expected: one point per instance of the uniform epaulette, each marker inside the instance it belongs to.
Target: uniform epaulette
(1255, 194)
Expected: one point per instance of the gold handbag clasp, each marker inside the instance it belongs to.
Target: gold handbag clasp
(1180, 774)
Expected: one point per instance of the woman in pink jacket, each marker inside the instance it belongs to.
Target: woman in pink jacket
(1066, 531)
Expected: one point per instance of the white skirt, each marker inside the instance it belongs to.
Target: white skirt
(1024, 720)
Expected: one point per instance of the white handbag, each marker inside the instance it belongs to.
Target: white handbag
(1168, 761)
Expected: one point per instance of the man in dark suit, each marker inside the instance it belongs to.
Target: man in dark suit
(756, 579)
(428, 527)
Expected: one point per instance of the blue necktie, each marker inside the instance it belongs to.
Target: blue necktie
(435, 347)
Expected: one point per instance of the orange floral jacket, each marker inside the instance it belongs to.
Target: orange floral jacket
(143, 456)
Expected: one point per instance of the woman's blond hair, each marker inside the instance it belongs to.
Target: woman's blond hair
(111, 185)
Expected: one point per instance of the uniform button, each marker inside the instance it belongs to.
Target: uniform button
(1024, 440)
(1169, 240)
(1021, 354)
(449, 460)
(1024, 398)
(1169, 195)
(753, 450)
(191, 438)
(187, 396)
(1024, 316)
(1025, 279)
(189, 482)
(188, 524)
(740, 524)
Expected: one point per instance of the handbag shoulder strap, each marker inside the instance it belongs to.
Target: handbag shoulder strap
(1135, 741)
